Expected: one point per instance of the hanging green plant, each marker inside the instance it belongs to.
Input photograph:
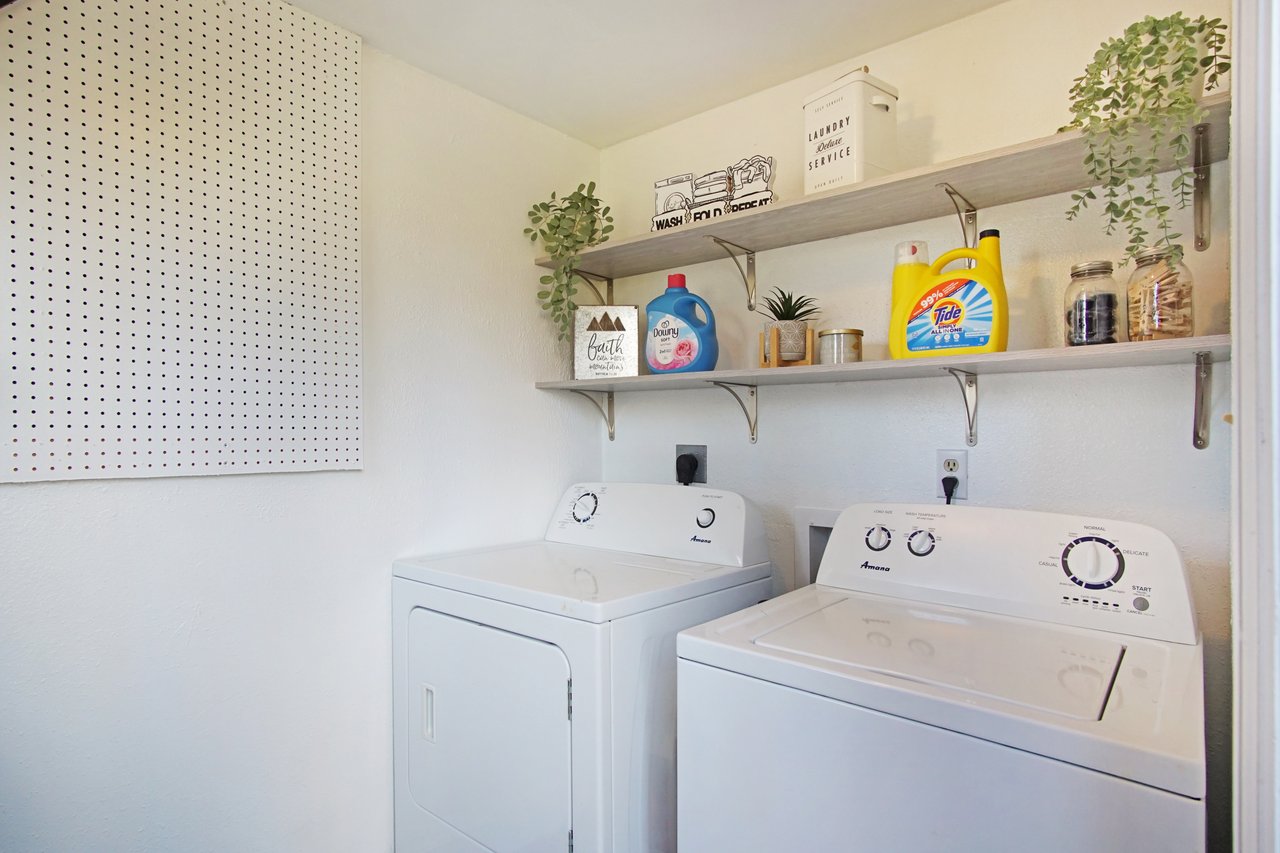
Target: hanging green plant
(566, 226)
(1134, 104)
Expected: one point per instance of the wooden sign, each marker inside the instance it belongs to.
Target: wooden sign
(606, 341)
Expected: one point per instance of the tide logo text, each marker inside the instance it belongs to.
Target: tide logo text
(948, 312)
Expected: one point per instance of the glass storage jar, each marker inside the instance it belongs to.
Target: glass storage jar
(1160, 296)
(839, 346)
(1094, 308)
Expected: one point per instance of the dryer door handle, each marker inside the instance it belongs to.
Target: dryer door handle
(429, 713)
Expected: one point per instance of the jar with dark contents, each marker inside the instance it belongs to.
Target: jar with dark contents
(1160, 296)
(1094, 307)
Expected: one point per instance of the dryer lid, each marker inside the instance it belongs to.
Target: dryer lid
(1028, 664)
(590, 584)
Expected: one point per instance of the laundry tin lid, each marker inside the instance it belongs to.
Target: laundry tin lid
(825, 332)
(858, 76)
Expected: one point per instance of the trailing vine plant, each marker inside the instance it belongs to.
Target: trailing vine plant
(566, 226)
(1134, 104)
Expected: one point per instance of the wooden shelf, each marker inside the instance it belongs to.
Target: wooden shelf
(743, 384)
(1041, 167)
(1143, 354)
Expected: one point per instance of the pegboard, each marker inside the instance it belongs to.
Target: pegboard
(183, 239)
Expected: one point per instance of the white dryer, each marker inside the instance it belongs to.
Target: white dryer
(958, 679)
(534, 684)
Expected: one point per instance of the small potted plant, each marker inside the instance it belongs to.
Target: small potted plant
(566, 226)
(1134, 104)
(790, 316)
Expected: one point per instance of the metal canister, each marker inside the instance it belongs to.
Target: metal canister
(839, 346)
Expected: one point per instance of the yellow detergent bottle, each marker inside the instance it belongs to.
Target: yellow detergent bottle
(951, 313)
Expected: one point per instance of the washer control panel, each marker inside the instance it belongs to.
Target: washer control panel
(1093, 573)
(679, 522)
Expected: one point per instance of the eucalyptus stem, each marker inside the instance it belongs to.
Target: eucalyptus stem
(1140, 90)
(566, 226)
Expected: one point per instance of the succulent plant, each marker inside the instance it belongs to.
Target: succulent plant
(786, 306)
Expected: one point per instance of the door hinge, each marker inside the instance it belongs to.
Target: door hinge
(570, 692)
(571, 841)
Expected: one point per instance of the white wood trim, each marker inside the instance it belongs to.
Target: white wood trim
(1255, 264)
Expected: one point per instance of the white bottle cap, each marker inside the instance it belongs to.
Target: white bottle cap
(912, 252)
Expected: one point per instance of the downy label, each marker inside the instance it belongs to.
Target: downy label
(956, 313)
(671, 344)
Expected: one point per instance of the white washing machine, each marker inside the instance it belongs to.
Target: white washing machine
(534, 684)
(958, 679)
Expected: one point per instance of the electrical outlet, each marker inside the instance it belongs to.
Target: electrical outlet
(699, 451)
(953, 463)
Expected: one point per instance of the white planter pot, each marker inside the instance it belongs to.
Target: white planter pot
(791, 338)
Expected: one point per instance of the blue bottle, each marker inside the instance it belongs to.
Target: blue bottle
(677, 340)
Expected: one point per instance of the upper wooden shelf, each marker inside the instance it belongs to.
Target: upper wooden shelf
(1041, 167)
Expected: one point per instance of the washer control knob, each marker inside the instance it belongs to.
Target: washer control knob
(1092, 562)
(921, 543)
(706, 517)
(585, 507)
(878, 538)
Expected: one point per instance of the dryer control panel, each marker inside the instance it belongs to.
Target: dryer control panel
(1072, 570)
(677, 522)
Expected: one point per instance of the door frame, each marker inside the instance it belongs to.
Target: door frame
(1255, 464)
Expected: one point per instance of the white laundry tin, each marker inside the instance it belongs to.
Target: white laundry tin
(851, 132)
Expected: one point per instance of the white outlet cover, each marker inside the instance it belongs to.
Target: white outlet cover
(961, 474)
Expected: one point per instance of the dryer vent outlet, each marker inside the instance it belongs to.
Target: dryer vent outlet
(697, 451)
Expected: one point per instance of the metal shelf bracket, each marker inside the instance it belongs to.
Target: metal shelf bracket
(969, 388)
(968, 216)
(748, 406)
(591, 278)
(748, 275)
(604, 404)
(1204, 383)
(1200, 187)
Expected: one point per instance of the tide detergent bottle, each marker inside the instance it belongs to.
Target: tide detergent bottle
(678, 341)
(953, 313)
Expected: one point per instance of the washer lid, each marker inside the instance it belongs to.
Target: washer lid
(1032, 665)
(590, 584)
(1025, 684)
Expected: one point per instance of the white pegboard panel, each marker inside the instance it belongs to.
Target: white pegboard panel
(182, 241)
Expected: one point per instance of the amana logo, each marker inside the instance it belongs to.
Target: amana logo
(696, 539)
(873, 567)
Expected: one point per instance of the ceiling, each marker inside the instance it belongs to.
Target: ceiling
(603, 71)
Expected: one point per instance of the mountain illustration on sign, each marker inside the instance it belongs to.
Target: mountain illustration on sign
(605, 323)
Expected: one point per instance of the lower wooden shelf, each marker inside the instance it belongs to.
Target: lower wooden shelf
(1201, 351)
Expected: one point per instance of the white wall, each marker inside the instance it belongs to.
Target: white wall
(203, 664)
(1110, 443)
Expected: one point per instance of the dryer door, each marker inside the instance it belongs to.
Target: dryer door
(489, 732)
